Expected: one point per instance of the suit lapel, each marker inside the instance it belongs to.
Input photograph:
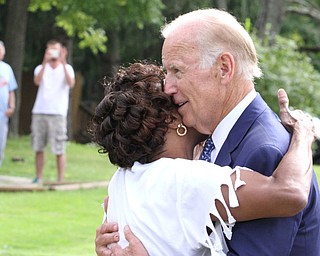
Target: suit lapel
(240, 129)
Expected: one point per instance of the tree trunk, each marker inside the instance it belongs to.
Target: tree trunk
(222, 4)
(112, 59)
(15, 42)
(69, 116)
(115, 52)
(270, 17)
(306, 8)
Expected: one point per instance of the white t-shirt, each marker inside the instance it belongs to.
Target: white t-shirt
(167, 205)
(53, 92)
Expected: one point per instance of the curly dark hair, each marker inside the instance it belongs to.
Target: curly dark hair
(131, 121)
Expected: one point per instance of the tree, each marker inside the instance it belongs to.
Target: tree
(303, 7)
(285, 67)
(270, 17)
(15, 42)
(89, 20)
(84, 21)
(222, 4)
(302, 24)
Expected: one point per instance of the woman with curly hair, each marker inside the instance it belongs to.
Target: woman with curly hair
(169, 200)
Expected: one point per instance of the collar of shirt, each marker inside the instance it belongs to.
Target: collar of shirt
(221, 133)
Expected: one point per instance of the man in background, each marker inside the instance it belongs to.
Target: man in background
(8, 85)
(54, 77)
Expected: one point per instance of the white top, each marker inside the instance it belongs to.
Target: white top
(167, 205)
(53, 92)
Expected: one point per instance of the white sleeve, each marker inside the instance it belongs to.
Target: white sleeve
(200, 188)
(70, 70)
(37, 70)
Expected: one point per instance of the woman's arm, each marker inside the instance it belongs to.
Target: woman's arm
(286, 192)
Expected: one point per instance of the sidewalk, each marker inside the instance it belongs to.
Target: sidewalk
(18, 184)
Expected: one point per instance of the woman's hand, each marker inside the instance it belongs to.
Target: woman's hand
(107, 238)
(290, 118)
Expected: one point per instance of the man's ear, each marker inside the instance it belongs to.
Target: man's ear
(226, 66)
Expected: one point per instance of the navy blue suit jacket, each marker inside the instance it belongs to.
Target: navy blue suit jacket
(258, 141)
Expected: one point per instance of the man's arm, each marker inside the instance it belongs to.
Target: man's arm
(38, 77)
(63, 58)
(11, 104)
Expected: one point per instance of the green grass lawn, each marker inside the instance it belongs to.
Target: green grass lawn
(83, 162)
(50, 223)
(54, 223)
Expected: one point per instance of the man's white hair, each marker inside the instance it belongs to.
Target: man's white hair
(217, 32)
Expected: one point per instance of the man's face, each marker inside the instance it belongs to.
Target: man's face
(194, 89)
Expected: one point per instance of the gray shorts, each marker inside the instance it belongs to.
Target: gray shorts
(49, 128)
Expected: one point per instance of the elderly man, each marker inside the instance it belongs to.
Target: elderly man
(8, 85)
(211, 63)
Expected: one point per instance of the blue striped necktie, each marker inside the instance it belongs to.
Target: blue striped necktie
(207, 149)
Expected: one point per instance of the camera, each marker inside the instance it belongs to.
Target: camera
(54, 53)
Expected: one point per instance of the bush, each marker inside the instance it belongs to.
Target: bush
(285, 67)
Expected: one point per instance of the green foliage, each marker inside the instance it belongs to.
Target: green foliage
(42, 5)
(285, 67)
(304, 29)
(73, 21)
(244, 9)
(94, 39)
(88, 20)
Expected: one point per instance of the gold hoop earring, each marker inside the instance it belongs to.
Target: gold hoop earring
(183, 128)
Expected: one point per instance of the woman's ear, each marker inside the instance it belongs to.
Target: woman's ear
(173, 124)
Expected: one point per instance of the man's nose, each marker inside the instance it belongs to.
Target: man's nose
(169, 86)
